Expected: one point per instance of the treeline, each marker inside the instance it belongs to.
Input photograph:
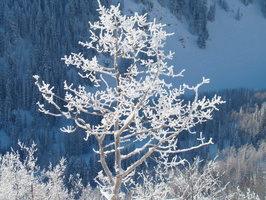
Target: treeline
(239, 134)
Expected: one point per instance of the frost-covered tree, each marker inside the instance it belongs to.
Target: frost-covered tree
(239, 194)
(245, 165)
(187, 181)
(134, 106)
(192, 181)
(22, 178)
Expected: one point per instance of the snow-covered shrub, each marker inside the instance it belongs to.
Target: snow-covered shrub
(187, 181)
(239, 194)
(192, 181)
(22, 179)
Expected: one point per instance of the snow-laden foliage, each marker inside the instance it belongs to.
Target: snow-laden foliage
(249, 195)
(247, 167)
(136, 102)
(191, 181)
(23, 179)
(188, 181)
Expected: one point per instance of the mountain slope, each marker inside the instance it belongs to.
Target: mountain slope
(235, 54)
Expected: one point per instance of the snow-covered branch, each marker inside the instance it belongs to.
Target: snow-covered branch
(138, 105)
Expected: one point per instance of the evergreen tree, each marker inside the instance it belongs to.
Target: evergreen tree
(2, 43)
(177, 7)
(211, 13)
(238, 15)
(3, 9)
(264, 7)
(247, 2)
(2, 100)
(224, 5)
(203, 36)
(202, 25)
(13, 27)
(193, 10)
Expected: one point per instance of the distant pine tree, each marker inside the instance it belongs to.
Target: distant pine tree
(238, 15)
(211, 13)
(224, 5)
(247, 2)
(264, 7)
(177, 7)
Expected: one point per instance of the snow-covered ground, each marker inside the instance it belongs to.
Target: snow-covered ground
(235, 55)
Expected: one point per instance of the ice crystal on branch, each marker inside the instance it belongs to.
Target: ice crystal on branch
(141, 107)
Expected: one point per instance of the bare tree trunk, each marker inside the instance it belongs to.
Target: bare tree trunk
(116, 188)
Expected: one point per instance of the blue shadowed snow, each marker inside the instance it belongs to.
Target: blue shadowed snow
(235, 55)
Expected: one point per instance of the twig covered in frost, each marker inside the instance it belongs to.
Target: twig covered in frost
(142, 107)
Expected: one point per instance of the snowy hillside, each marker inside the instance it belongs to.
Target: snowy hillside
(235, 54)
